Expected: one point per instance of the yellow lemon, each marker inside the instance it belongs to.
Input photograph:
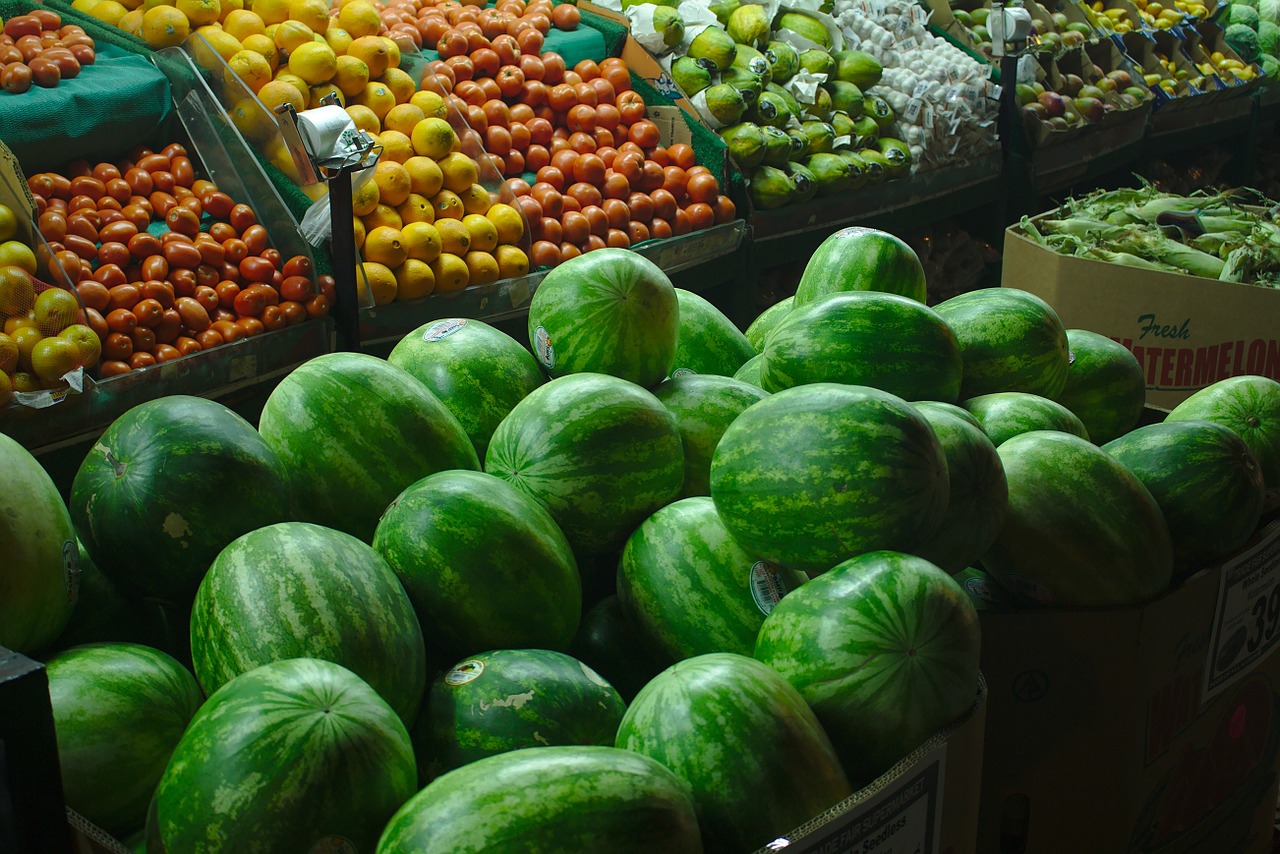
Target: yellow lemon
(425, 177)
(380, 282)
(291, 35)
(476, 199)
(338, 39)
(222, 42)
(85, 6)
(416, 209)
(200, 12)
(364, 198)
(264, 46)
(512, 262)
(448, 205)
(163, 26)
(365, 118)
(433, 138)
(56, 309)
(110, 12)
(26, 337)
(460, 171)
(414, 279)
(395, 146)
(398, 81)
(279, 92)
(431, 103)
(454, 237)
(251, 120)
(357, 226)
(393, 183)
(351, 76)
(271, 11)
(377, 97)
(229, 6)
(252, 68)
(315, 62)
(382, 216)
(484, 235)
(324, 90)
(132, 24)
(283, 76)
(242, 23)
(451, 273)
(384, 245)
(372, 50)
(86, 341)
(14, 253)
(403, 117)
(313, 13)
(482, 268)
(421, 241)
(508, 222)
(360, 18)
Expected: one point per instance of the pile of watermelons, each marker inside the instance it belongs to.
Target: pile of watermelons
(405, 576)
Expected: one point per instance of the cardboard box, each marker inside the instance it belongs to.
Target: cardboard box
(1152, 728)
(1188, 332)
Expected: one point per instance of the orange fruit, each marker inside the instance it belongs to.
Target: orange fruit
(433, 138)
(360, 18)
(383, 215)
(199, 12)
(324, 90)
(421, 241)
(164, 26)
(351, 76)
(403, 118)
(313, 13)
(451, 273)
(223, 43)
(476, 199)
(252, 68)
(431, 103)
(86, 341)
(131, 23)
(110, 12)
(484, 235)
(364, 118)
(53, 357)
(414, 279)
(454, 237)
(26, 338)
(512, 262)
(416, 209)
(14, 253)
(377, 97)
(395, 146)
(8, 223)
(378, 282)
(393, 183)
(6, 388)
(8, 354)
(385, 245)
(482, 268)
(264, 46)
(370, 49)
(56, 309)
(364, 198)
(26, 381)
(357, 226)
(272, 11)
(338, 39)
(460, 171)
(448, 205)
(399, 82)
(507, 222)
(279, 92)
(290, 35)
(17, 291)
(315, 62)
(425, 177)
(242, 23)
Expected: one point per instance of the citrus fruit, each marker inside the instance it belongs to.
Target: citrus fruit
(338, 39)
(229, 6)
(371, 49)
(451, 272)
(421, 241)
(222, 42)
(324, 90)
(53, 357)
(248, 117)
(396, 147)
(8, 354)
(512, 262)
(365, 118)
(26, 381)
(383, 215)
(163, 26)
(264, 46)
(86, 341)
(315, 62)
(447, 205)
(357, 227)
(279, 92)
(364, 198)
(290, 35)
(384, 245)
(484, 235)
(360, 18)
(380, 282)
(460, 171)
(416, 209)
(26, 338)
(507, 222)
(431, 103)
(200, 12)
(476, 199)
(56, 309)
(425, 177)
(14, 253)
(403, 118)
(351, 76)
(482, 268)
(6, 389)
(399, 82)
(433, 138)
(252, 68)
(393, 183)
(131, 23)
(313, 13)
(242, 23)
(377, 97)
(454, 237)
(414, 279)
(110, 12)
(272, 11)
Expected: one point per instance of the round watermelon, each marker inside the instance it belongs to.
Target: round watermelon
(296, 590)
(1105, 386)
(608, 312)
(884, 648)
(609, 644)
(760, 328)
(862, 259)
(704, 407)
(1081, 529)
(483, 563)
(885, 341)
(478, 372)
(1250, 406)
(749, 373)
(816, 474)
(1010, 340)
(599, 452)
(707, 341)
(119, 710)
(297, 755)
(569, 798)
(353, 431)
(743, 740)
(927, 406)
(38, 576)
(507, 699)
(1005, 414)
(1205, 479)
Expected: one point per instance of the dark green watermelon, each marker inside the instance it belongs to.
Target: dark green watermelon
(950, 409)
(749, 373)
(609, 644)
(1105, 388)
(1005, 414)
(704, 407)
(862, 259)
(708, 342)
(768, 319)
(1250, 406)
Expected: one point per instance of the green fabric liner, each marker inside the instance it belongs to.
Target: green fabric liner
(614, 34)
(582, 43)
(101, 31)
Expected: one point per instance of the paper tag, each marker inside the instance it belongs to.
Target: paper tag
(908, 43)
(1246, 628)
(911, 114)
(922, 88)
(928, 117)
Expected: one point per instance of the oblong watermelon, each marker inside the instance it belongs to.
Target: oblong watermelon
(884, 648)
(704, 407)
(1206, 480)
(549, 799)
(609, 644)
(765, 323)
(1005, 414)
(119, 710)
(508, 699)
(743, 740)
(749, 373)
(885, 341)
(1081, 529)
(610, 312)
(862, 259)
(600, 453)
(478, 372)
(707, 341)
(291, 756)
(816, 474)
(690, 589)
(950, 409)
(484, 565)
(1010, 340)
(1105, 388)
(1250, 406)
(353, 431)
(297, 590)
(38, 576)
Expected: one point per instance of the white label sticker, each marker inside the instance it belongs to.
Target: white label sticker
(767, 588)
(542, 348)
(683, 372)
(1246, 628)
(442, 329)
(467, 671)
(333, 845)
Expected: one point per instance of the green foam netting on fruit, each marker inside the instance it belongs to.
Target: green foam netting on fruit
(614, 34)
(100, 30)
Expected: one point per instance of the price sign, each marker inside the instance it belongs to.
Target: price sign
(1246, 628)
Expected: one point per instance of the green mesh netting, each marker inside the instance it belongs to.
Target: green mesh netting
(101, 31)
(614, 34)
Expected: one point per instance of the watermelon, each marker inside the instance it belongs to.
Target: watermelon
(983, 591)
(569, 798)
(297, 590)
(609, 312)
(979, 494)
(478, 372)
(1206, 481)
(353, 431)
(609, 644)
(1010, 340)
(103, 614)
(749, 373)
(599, 452)
(1005, 414)
(885, 341)
(38, 576)
(760, 328)
(707, 342)
(704, 407)
(862, 259)
(927, 406)
(1105, 386)
(507, 699)
(1081, 529)
(815, 474)
(483, 563)
(296, 755)
(1249, 405)
(119, 710)
(745, 743)
(884, 648)
(691, 589)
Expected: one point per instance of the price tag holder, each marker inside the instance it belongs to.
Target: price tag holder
(1246, 627)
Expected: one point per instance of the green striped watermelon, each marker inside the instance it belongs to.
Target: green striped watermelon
(353, 431)
(1205, 479)
(296, 590)
(704, 407)
(760, 328)
(570, 799)
(749, 373)
(885, 341)
(609, 644)
(707, 341)
(884, 648)
(38, 576)
(979, 494)
(507, 699)
(1081, 529)
(478, 372)
(862, 259)
(745, 743)
(926, 406)
(691, 589)
(120, 710)
(599, 452)
(818, 473)
(1010, 340)
(1105, 388)
(483, 563)
(1249, 405)
(609, 312)
(1005, 414)
(169, 484)
(297, 755)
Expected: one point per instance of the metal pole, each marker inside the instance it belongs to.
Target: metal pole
(347, 310)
